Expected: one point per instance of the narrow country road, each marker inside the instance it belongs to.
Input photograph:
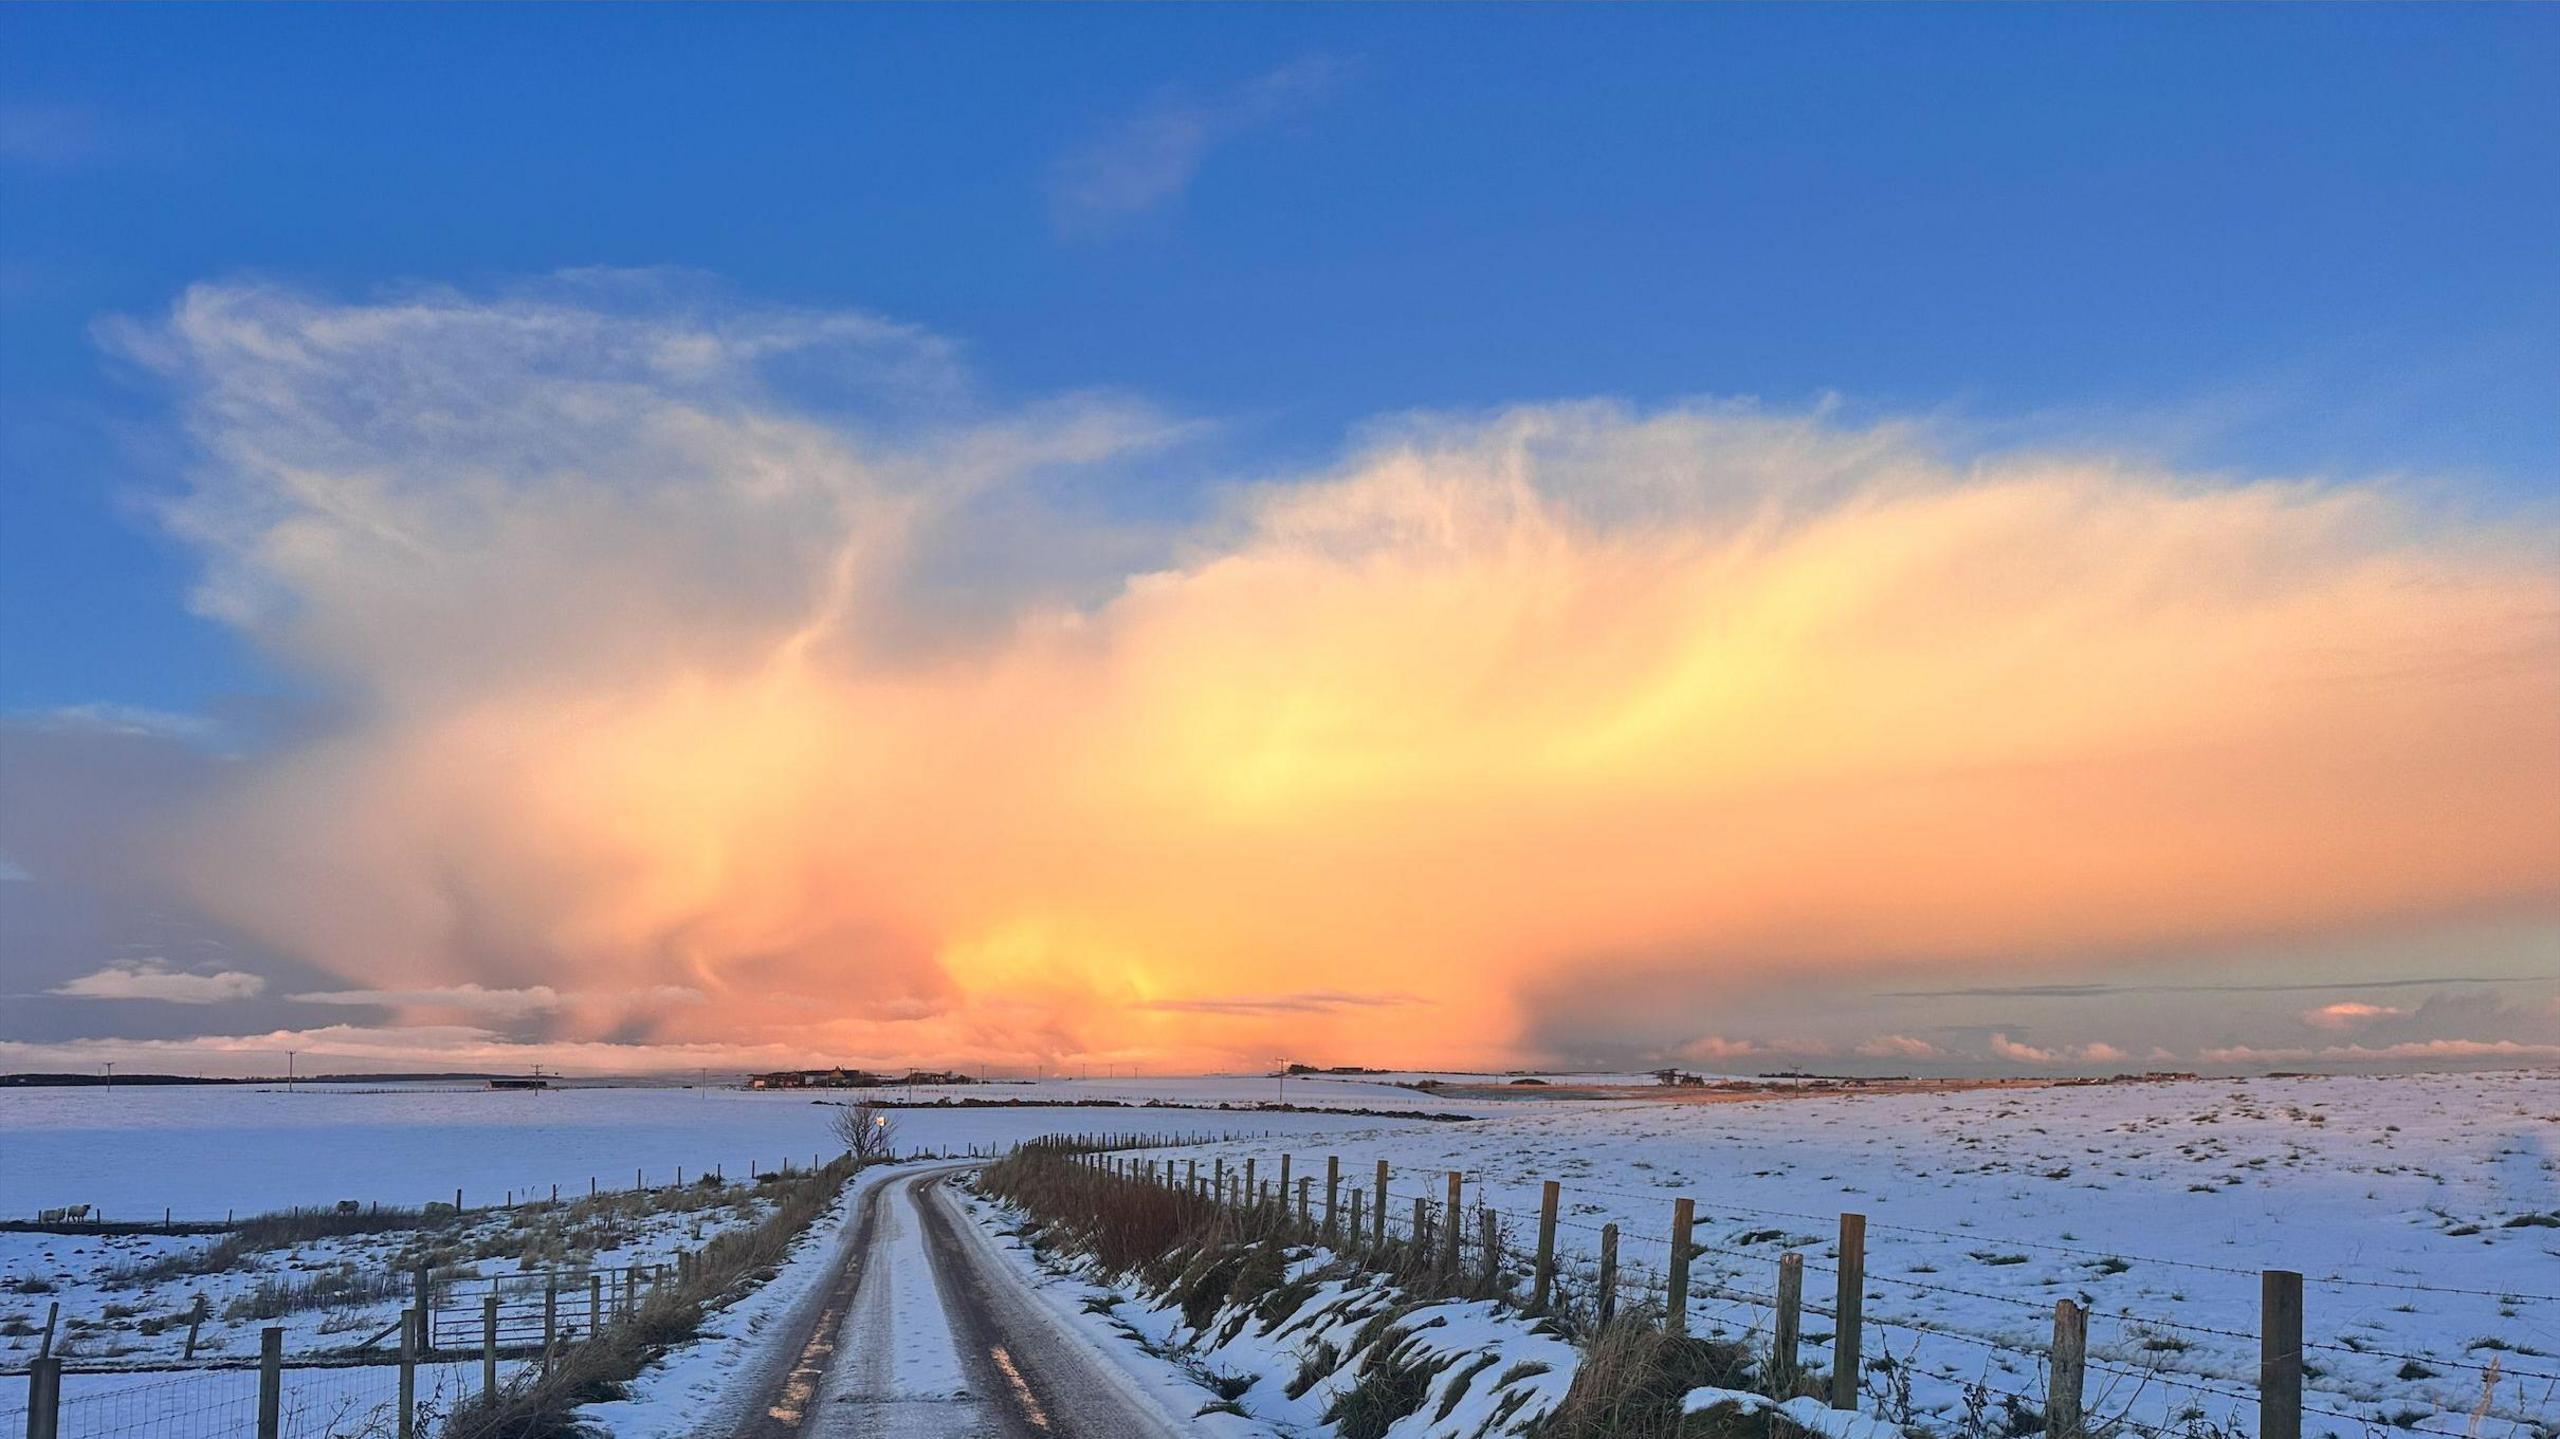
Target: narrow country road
(926, 1332)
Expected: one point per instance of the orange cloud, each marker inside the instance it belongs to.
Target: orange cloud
(644, 678)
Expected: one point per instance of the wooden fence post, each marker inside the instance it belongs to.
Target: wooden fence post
(1850, 1311)
(1549, 1195)
(2280, 1355)
(1675, 1311)
(1608, 1272)
(44, 1397)
(1382, 1201)
(426, 1302)
(1251, 1194)
(489, 1346)
(1306, 1207)
(270, 1382)
(1450, 1227)
(1218, 1177)
(1332, 1197)
(595, 1305)
(1489, 1239)
(1421, 1229)
(1786, 1339)
(1357, 1228)
(550, 1318)
(2062, 1413)
(407, 1423)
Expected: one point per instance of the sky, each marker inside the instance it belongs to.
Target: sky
(1942, 540)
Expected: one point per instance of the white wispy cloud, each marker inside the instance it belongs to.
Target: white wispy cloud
(1150, 158)
(153, 979)
(107, 717)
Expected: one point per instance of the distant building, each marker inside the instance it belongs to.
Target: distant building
(843, 1078)
(504, 1083)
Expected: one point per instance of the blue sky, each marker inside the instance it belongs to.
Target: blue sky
(2165, 399)
(2276, 238)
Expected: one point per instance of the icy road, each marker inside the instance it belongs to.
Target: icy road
(926, 1333)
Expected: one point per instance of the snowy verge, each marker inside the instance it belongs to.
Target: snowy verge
(699, 1386)
(1288, 1359)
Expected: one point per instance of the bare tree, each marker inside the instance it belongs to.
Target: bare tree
(866, 1130)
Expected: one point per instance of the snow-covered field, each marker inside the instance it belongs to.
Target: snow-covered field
(201, 1152)
(2424, 1212)
(134, 1154)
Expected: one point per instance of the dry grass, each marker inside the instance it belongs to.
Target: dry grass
(1207, 1258)
(543, 1406)
(1632, 1379)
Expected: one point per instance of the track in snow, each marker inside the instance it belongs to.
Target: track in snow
(927, 1333)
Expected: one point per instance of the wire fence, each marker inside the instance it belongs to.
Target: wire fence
(2135, 1373)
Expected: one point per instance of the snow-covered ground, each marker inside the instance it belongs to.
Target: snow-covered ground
(2424, 1211)
(201, 1152)
(1257, 1368)
(204, 1152)
(126, 1299)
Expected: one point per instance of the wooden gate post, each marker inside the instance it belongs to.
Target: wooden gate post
(489, 1346)
(1850, 1311)
(1675, 1311)
(1382, 1201)
(1332, 1198)
(1451, 1227)
(1548, 1197)
(2280, 1355)
(595, 1305)
(408, 1420)
(2062, 1412)
(270, 1382)
(44, 1397)
(1786, 1343)
(1608, 1273)
(426, 1304)
(551, 1318)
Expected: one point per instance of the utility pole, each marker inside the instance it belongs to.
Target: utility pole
(111, 1074)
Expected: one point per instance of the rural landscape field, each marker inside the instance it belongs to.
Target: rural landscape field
(1385, 721)
(2419, 1210)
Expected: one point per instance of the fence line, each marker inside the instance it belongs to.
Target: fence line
(1438, 1232)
